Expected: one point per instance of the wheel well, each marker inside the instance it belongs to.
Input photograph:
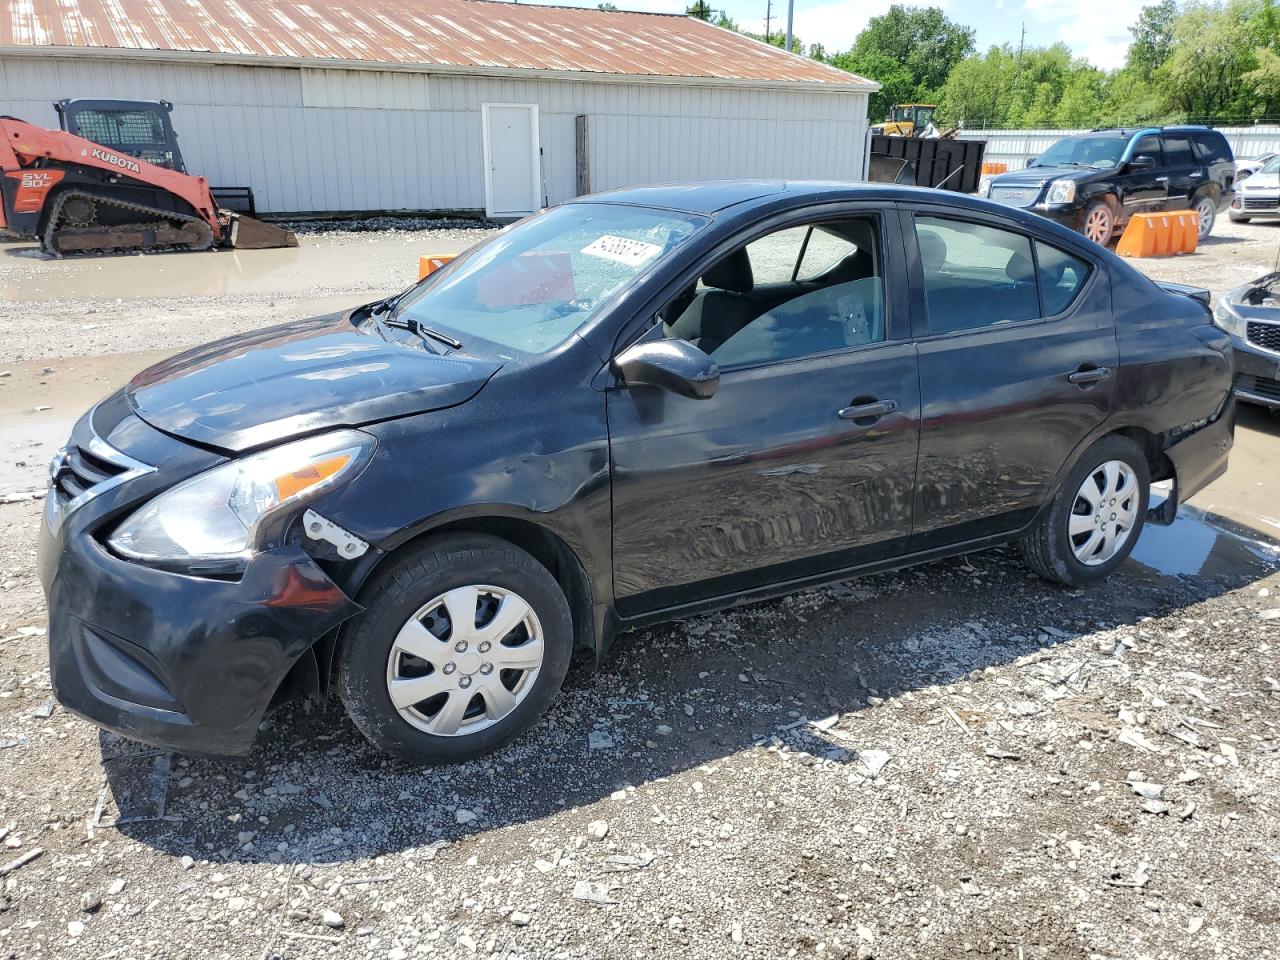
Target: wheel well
(1158, 462)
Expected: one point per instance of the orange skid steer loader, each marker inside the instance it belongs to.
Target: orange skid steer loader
(120, 186)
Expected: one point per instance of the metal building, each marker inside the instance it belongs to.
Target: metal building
(438, 105)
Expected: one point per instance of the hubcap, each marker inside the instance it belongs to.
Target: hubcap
(465, 660)
(1097, 226)
(1104, 513)
(1205, 212)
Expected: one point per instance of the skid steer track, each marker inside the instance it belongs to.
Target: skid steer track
(156, 230)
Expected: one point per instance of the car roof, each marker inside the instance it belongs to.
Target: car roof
(709, 197)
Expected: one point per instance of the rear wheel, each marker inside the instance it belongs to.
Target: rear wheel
(1099, 222)
(1206, 209)
(463, 644)
(1096, 516)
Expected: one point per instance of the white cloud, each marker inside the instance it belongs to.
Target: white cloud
(1097, 30)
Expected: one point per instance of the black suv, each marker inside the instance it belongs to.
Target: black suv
(1095, 181)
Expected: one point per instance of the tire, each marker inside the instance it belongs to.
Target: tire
(406, 637)
(1206, 209)
(1099, 222)
(1059, 555)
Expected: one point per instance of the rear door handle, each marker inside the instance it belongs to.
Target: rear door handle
(877, 409)
(1093, 375)
(1162, 179)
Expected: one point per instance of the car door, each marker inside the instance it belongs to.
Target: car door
(803, 461)
(1017, 356)
(1143, 190)
(1185, 175)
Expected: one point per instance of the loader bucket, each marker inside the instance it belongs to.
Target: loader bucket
(246, 233)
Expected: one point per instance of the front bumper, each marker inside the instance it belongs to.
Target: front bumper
(180, 661)
(1247, 204)
(1257, 374)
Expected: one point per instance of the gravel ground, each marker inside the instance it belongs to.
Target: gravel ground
(955, 760)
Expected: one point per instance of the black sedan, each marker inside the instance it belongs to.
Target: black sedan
(629, 408)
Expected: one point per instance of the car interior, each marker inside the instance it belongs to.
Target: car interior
(974, 275)
(782, 296)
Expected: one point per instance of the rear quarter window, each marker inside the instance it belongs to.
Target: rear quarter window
(1061, 277)
(1212, 148)
(1177, 152)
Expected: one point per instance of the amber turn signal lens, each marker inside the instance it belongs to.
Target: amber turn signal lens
(288, 484)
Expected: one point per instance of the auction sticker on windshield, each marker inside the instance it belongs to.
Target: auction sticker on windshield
(622, 250)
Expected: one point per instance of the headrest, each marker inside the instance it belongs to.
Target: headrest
(1018, 269)
(732, 273)
(933, 250)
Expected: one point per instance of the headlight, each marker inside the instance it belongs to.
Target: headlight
(1061, 191)
(1226, 318)
(984, 187)
(216, 517)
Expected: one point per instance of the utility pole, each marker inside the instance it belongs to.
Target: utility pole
(768, 18)
(791, 11)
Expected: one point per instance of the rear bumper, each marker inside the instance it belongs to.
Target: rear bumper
(183, 662)
(1201, 457)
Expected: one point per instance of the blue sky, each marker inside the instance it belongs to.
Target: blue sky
(1095, 30)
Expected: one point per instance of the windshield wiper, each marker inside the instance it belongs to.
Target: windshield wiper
(425, 332)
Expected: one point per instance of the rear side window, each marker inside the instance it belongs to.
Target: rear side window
(1177, 152)
(1212, 148)
(1061, 277)
(975, 275)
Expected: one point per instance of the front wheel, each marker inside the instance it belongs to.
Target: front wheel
(1096, 516)
(1099, 222)
(1206, 209)
(462, 646)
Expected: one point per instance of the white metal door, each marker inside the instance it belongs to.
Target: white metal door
(512, 179)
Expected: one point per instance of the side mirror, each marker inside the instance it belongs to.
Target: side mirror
(1031, 162)
(1142, 162)
(674, 365)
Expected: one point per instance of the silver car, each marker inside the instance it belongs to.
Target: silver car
(1258, 196)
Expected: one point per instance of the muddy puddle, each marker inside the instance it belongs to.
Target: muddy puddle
(317, 265)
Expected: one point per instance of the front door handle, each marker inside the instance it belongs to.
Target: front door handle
(1092, 375)
(1162, 179)
(877, 409)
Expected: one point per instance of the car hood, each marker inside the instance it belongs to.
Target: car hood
(1039, 176)
(1263, 181)
(272, 384)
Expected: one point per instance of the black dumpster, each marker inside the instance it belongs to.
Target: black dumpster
(946, 164)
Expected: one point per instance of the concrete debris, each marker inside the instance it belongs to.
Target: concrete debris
(20, 861)
(597, 829)
(1150, 791)
(599, 740)
(333, 920)
(590, 891)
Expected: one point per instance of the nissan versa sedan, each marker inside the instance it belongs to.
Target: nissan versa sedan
(629, 408)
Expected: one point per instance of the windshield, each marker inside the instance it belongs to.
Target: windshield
(1103, 152)
(1271, 166)
(537, 282)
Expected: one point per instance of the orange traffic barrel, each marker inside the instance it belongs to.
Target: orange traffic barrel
(994, 167)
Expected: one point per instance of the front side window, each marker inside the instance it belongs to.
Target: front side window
(536, 283)
(975, 275)
(1148, 146)
(793, 293)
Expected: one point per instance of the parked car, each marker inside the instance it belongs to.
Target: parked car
(1248, 167)
(1259, 196)
(1251, 315)
(1094, 182)
(629, 408)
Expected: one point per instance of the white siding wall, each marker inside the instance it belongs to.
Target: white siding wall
(332, 140)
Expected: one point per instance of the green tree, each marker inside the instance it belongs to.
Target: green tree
(1203, 78)
(1153, 36)
(700, 9)
(911, 51)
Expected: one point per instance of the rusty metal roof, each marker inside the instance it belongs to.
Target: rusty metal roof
(467, 35)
